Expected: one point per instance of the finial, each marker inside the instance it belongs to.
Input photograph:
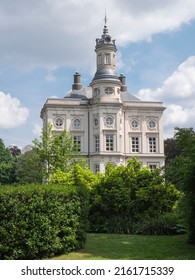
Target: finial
(105, 18)
(105, 30)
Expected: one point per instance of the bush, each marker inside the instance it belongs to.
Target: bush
(127, 195)
(41, 221)
(167, 224)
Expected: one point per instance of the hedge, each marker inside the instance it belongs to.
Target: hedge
(41, 221)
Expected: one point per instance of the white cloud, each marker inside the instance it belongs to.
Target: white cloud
(51, 33)
(178, 94)
(11, 113)
(37, 129)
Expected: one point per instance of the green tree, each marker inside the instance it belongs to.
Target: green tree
(126, 195)
(57, 152)
(7, 165)
(29, 168)
(181, 171)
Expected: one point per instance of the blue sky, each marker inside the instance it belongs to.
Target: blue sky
(42, 44)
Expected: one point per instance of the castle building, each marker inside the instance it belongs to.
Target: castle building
(107, 122)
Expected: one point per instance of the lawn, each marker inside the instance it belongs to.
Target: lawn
(133, 247)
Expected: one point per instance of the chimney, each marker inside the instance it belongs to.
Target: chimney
(77, 81)
(123, 85)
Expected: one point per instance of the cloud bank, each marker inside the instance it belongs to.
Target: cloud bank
(11, 113)
(178, 94)
(51, 33)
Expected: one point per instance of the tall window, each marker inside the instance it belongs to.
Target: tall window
(107, 59)
(97, 143)
(135, 144)
(99, 59)
(77, 143)
(109, 142)
(152, 144)
(96, 167)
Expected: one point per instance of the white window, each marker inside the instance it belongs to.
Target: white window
(59, 122)
(107, 59)
(96, 167)
(109, 142)
(135, 144)
(152, 144)
(152, 124)
(109, 90)
(99, 59)
(77, 143)
(77, 123)
(134, 123)
(109, 121)
(97, 143)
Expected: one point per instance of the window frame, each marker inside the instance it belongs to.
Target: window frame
(152, 142)
(135, 144)
(58, 119)
(97, 143)
(76, 123)
(77, 142)
(109, 90)
(109, 142)
(108, 123)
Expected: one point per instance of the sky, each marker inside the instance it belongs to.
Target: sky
(43, 43)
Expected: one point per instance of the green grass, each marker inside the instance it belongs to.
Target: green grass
(133, 247)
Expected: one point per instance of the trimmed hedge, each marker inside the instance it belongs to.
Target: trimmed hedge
(41, 221)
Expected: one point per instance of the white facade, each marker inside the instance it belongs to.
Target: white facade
(108, 123)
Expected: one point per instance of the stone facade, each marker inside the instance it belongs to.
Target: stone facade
(108, 123)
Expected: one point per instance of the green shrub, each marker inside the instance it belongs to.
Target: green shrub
(167, 224)
(127, 195)
(41, 221)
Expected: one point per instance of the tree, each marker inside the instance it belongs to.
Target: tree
(29, 167)
(181, 171)
(57, 152)
(171, 150)
(15, 150)
(127, 195)
(7, 165)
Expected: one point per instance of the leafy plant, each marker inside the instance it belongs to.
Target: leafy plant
(39, 221)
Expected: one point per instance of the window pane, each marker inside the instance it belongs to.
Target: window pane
(77, 123)
(109, 142)
(152, 144)
(135, 144)
(58, 122)
(96, 168)
(97, 143)
(77, 143)
(107, 59)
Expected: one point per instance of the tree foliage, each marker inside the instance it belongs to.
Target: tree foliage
(7, 165)
(181, 171)
(29, 168)
(56, 152)
(41, 221)
(126, 195)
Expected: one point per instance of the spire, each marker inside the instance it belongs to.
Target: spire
(105, 30)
